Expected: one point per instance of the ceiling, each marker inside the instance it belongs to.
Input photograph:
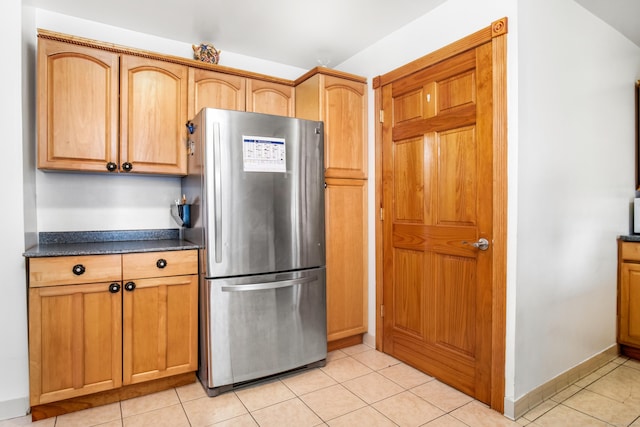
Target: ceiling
(302, 33)
(623, 15)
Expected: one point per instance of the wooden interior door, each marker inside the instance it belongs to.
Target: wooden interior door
(437, 198)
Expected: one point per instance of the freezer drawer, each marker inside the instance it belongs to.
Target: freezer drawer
(254, 327)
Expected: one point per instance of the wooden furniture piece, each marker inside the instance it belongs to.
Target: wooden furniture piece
(102, 111)
(101, 322)
(340, 100)
(108, 108)
(629, 298)
(214, 89)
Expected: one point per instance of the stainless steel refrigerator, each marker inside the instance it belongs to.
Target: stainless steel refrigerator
(256, 190)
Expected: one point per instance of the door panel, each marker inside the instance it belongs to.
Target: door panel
(75, 342)
(152, 115)
(160, 328)
(216, 90)
(437, 185)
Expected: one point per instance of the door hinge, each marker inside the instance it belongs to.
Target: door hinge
(381, 116)
(381, 214)
(381, 310)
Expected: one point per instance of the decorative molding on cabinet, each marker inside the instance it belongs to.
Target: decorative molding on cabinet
(111, 47)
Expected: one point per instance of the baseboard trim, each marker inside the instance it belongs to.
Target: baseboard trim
(14, 408)
(53, 409)
(514, 409)
(369, 340)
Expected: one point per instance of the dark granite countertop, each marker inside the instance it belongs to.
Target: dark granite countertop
(630, 238)
(107, 242)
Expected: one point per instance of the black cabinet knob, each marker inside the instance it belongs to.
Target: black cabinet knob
(161, 263)
(114, 288)
(126, 166)
(129, 286)
(78, 269)
(111, 166)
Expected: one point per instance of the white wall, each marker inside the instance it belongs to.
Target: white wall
(449, 22)
(576, 181)
(71, 202)
(14, 388)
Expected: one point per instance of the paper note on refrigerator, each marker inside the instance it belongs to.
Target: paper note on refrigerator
(264, 154)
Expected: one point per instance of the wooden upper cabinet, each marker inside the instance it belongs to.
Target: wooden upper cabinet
(216, 90)
(153, 116)
(104, 111)
(108, 108)
(340, 100)
(77, 107)
(270, 98)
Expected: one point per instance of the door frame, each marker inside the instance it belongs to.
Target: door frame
(496, 34)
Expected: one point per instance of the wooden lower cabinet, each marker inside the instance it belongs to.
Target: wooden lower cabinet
(87, 338)
(75, 341)
(159, 328)
(346, 242)
(629, 298)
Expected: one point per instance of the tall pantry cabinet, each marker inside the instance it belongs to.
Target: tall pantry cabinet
(340, 100)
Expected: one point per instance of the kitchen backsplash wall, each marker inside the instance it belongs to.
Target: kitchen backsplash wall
(79, 201)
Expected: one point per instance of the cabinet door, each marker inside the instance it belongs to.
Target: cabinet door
(342, 105)
(77, 107)
(75, 341)
(270, 98)
(153, 115)
(629, 305)
(346, 241)
(160, 327)
(215, 90)
(345, 110)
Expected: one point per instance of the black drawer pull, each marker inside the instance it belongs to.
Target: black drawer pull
(78, 269)
(129, 286)
(161, 263)
(114, 288)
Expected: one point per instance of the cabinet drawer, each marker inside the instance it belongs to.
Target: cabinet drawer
(158, 264)
(71, 270)
(630, 251)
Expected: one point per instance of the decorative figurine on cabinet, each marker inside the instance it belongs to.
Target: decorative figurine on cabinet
(206, 52)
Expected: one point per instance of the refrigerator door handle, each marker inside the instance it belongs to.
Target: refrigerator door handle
(217, 183)
(270, 285)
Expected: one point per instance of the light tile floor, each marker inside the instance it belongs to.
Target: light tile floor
(362, 387)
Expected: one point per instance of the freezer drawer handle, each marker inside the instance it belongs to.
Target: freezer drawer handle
(270, 285)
